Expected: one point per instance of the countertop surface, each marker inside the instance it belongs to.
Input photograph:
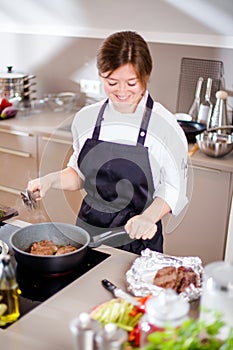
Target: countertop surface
(58, 124)
(47, 326)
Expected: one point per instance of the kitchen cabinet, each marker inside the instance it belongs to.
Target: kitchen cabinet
(61, 206)
(18, 159)
(203, 230)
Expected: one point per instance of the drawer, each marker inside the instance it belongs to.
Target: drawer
(18, 159)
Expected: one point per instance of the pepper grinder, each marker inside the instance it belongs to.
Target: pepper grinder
(219, 116)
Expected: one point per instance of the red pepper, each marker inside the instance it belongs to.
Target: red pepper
(5, 103)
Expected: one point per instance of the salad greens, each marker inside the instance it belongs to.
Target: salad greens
(191, 335)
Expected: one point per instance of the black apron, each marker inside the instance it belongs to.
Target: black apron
(118, 183)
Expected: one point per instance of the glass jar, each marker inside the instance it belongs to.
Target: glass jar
(9, 292)
(217, 295)
(168, 308)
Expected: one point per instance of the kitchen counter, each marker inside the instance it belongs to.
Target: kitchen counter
(48, 123)
(47, 326)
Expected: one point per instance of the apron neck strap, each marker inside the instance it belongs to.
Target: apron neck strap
(145, 121)
(99, 120)
(143, 127)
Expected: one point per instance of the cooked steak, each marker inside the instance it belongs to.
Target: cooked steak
(166, 277)
(175, 278)
(44, 247)
(65, 249)
(185, 277)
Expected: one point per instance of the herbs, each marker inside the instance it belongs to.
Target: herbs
(191, 335)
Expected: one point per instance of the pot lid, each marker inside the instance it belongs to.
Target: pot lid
(11, 75)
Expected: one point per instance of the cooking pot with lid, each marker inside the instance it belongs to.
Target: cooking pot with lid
(16, 86)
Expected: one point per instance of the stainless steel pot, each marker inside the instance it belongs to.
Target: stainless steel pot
(15, 86)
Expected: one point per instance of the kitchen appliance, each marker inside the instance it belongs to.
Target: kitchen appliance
(16, 87)
(36, 288)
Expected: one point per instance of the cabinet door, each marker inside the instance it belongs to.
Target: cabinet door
(202, 231)
(58, 205)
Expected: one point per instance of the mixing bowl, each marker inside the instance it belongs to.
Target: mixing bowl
(215, 144)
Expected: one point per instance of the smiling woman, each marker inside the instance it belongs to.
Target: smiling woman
(130, 154)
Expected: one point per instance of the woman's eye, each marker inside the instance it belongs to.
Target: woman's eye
(111, 84)
(132, 84)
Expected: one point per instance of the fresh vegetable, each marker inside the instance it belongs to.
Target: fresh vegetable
(9, 112)
(4, 103)
(191, 335)
(123, 314)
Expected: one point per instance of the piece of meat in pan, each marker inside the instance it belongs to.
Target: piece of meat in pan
(43, 247)
(65, 249)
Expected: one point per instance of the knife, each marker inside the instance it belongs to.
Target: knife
(119, 293)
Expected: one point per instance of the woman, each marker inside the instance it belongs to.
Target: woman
(130, 154)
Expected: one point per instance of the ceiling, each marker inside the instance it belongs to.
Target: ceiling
(196, 22)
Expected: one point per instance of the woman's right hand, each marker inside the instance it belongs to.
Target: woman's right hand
(40, 186)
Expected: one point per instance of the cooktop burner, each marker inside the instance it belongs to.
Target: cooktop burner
(37, 288)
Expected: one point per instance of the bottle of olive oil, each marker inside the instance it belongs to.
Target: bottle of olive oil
(9, 292)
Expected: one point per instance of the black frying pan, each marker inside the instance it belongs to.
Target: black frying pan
(60, 234)
(191, 129)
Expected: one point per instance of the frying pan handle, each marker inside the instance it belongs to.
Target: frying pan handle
(103, 237)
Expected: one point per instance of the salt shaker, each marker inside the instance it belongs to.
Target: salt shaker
(84, 329)
(111, 338)
(217, 294)
(168, 308)
(9, 292)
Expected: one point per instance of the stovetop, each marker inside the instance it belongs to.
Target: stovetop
(37, 288)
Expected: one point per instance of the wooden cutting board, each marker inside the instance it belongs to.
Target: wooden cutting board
(7, 212)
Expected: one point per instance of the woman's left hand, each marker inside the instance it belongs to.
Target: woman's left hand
(140, 226)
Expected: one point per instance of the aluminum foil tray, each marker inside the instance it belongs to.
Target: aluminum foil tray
(141, 274)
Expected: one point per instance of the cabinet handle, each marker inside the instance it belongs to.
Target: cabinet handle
(9, 190)
(15, 153)
(207, 169)
(52, 139)
(15, 132)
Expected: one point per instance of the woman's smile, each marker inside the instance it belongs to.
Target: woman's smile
(123, 88)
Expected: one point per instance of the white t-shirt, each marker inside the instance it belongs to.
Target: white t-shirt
(165, 140)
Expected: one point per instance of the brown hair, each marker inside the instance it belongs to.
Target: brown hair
(125, 47)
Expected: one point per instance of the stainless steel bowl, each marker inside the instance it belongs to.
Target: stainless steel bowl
(215, 144)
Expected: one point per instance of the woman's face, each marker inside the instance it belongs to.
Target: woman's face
(123, 88)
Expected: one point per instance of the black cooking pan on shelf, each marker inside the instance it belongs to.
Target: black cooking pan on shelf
(191, 129)
(61, 234)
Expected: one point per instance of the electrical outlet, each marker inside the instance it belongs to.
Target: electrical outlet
(90, 87)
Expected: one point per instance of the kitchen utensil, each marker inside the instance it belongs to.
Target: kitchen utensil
(191, 129)
(194, 109)
(214, 144)
(60, 234)
(190, 70)
(119, 293)
(7, 212)
(15, 86)
(219, 116)
(63, 101)
(206, 105)
(4, 249)
(193, 149)
(29, 200)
